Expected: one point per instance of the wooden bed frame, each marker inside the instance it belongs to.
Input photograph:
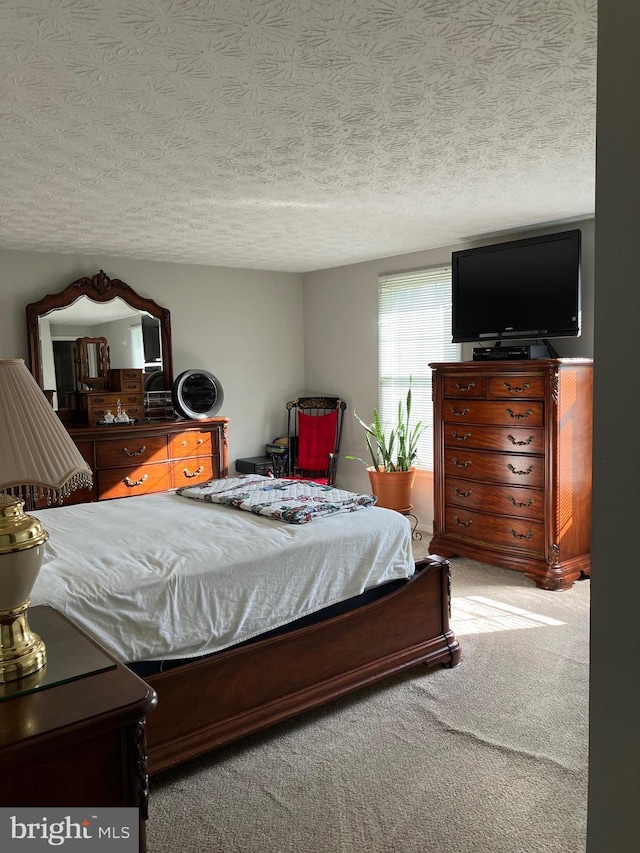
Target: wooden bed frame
(225, 696)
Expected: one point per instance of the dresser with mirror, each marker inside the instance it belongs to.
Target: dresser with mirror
(102, 353)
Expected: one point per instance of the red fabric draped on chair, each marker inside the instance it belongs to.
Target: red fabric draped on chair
(316, 440)
(314, 430)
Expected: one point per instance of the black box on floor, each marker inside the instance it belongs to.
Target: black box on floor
(255, 465)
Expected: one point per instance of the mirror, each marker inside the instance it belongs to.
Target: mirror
(92, 364)
(136, 331)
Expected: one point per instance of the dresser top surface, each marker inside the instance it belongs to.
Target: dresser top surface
(512, 365)
(146, 427)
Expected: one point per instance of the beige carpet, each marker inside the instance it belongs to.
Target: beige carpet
(490, 757)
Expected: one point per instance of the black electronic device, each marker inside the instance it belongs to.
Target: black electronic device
(497, 353)
(517, 290)
(255, 465)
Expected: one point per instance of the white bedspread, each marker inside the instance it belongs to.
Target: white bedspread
(158, 577)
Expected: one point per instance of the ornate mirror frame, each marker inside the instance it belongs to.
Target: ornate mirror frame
(98, 288)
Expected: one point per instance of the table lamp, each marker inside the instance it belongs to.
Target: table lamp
(38, 460)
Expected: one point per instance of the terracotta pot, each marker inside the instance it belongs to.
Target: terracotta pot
(392, 488)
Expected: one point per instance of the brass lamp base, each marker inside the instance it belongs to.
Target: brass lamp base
(22, 540)
(21, 651)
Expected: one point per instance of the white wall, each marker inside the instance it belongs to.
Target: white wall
(245, 326)
(341, 341)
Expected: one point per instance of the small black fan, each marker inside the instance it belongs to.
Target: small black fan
(197, 394)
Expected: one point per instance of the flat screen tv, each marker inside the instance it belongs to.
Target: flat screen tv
(521, 289)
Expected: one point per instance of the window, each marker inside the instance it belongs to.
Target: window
(414, 328)
(137, 349)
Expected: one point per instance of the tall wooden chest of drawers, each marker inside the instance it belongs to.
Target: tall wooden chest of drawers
(512, 465)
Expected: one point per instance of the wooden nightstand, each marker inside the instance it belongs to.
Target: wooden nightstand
(77, 737)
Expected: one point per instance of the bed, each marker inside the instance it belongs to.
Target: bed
(239, 620)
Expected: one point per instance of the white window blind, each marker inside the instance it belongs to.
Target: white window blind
(414, 329)
(137, 346)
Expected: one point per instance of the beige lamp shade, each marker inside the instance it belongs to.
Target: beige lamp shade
(35, 449)
(37, 458)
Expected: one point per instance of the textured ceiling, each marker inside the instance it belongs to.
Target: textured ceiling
(291, 134)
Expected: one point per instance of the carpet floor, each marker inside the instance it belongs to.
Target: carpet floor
(490, 757)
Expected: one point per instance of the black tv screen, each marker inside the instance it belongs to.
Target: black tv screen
(521, 289)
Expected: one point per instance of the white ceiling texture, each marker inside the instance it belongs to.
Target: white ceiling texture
(291, 134)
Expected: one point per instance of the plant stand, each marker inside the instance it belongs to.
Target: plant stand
(415, 533)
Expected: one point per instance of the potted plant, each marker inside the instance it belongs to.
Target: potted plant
(393, 452)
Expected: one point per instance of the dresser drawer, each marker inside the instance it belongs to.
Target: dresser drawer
(96, 404)
(495, 499)
(130, 386)
(509, 468)
(465, 386)
(96, 415)
(190, 443)
(133, 480)
(514, 534)
(512, 413)
(188, 472)
(517, 386)
(110, 399)
(132, 450)
(125, 379)
(494, 438)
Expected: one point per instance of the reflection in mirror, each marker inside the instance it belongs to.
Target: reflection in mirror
(132, 336)
(92, 364)
(137, 333)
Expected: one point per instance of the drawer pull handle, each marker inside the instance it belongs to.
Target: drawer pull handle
(460, 437)
(530, 502)
(128, 452)
(518, 415)
(517, 535)
(459, 412)
(517, 389)
(459, 494)
(520, 473)
(466, 523)
(200, 441)
(195, 473)
(132, 483)
(465, 387)
(466, 464)
(520, 443)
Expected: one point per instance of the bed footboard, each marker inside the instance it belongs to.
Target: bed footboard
(216, 700)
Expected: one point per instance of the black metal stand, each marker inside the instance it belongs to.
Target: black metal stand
(415, 533)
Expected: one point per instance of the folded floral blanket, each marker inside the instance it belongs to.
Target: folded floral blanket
(294, 501)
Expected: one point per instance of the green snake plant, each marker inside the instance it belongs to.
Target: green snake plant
(393, 449)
